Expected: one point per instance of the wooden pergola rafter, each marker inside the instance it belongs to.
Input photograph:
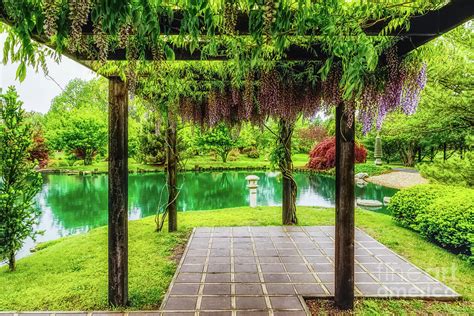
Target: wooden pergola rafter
(422, 29)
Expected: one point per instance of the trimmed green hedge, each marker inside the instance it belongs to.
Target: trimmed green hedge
(443, 214)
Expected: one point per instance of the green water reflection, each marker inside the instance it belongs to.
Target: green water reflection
(73, 204)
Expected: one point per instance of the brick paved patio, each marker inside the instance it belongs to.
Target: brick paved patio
(262, 270)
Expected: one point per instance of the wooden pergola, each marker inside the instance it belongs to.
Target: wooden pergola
(422, 29)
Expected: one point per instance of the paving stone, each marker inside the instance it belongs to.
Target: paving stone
(245, 268)
(219, 260)
(185, 289)
(330, 287)
(280, 289)
(195, 260)
(302, 278)
(217, 278)
(272, 267)
(181, 303)
(403, 289)
(244, 260)
(292, 259)
(326, 277)
(248, 289)
(215, 303)
(276, 278)
(286, 302)
(323, 267)
(188, 277)
(216, 289)
(269, 259)
(388, 277)
(177, 314)
(157, 313)
(244, 252)
(364, 277)
(215, 313)
(192, 268)
(218, 268)
(246, 277)
(309, 289)
(252, 313)
(249, 302)
(296, 267)
(372, 289)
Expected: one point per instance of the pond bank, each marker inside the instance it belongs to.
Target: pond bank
(398, 179)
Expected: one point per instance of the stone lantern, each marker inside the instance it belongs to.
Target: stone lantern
(252, 185)
(378, 150)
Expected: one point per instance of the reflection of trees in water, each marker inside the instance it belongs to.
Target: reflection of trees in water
(79, 202)
(203, 191)
(323, 186)
(373, 192)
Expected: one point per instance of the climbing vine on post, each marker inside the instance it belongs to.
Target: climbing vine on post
(282, 157)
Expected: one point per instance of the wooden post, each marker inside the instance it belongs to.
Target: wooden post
(286, 167)
(118, 192)
(172, 173)
(344, 278)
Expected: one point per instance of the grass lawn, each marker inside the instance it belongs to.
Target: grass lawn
(71, 273)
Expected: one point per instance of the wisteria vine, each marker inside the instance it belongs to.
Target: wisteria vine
(269, 94)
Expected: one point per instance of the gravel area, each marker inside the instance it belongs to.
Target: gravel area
(398, 179)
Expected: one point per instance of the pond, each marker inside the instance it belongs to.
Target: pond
(74, 204)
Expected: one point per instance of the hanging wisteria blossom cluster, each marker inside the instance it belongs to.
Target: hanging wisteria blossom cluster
(255, 102)
(269, 95)
(402, 89)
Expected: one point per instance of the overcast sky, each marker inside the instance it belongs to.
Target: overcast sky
(37, 90)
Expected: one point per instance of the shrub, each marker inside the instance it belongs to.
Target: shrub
(449, 221)
(455, 171)
(371, 169)
(253, 153)
(443, 214)
(323, 155)
(406, 204)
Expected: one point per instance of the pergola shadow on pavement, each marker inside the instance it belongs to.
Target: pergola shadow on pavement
(270, 270)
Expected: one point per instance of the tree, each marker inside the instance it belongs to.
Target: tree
(218, 139)
(323, 155)
(77, 120)
(39, 151)
(83, 133)
(151, 140)
(19, 182)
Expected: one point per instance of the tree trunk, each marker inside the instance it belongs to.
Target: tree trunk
(118, 192)
(12, 262)
(344, 252)
(445, 148)
(286, 167)
(172, 165)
